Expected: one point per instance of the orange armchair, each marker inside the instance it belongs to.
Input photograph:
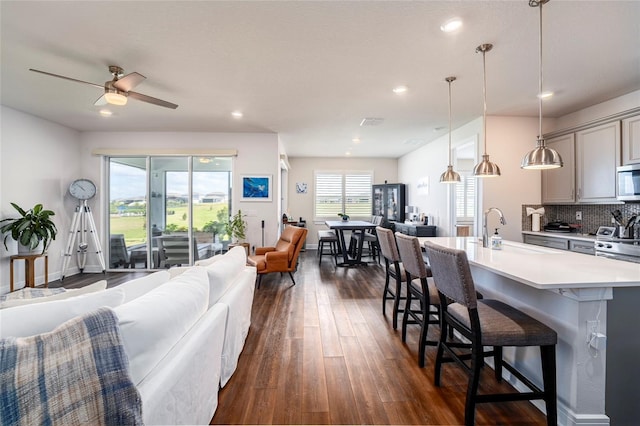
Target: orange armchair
(281, 258)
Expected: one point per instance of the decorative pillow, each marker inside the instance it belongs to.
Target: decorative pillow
(208, 261)
(28, 320)
(31, 293)
(139, 286)
(223, 272)
(76, 374)
(177, 270)
(91, 288)
(153, 323)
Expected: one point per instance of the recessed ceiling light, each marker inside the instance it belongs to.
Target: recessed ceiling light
(237, 114)
(355, 140)
(545, 95)
(400, 89)
(105, 113)
(451, 25)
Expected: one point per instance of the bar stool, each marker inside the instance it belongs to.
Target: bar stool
(330, 238)
(417, 274)
(393, 270)
(487, 323)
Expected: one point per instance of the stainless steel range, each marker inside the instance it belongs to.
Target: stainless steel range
(608, 245)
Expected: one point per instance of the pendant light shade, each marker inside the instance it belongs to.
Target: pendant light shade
(485, 168)
(450, 175)
(542, 157)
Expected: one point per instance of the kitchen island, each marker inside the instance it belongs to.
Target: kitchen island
(576, 295)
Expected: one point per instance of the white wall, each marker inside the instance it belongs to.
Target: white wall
(509, 138)
(38, 161)
(429, 162)
(302, 169)
(257, 154)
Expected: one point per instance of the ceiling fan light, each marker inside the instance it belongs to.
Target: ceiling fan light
(115, 98)
(486, 168)
(450, 175)
(541, 158)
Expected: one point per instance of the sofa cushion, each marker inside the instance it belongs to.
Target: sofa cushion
(223, 272)
(208, 261)
(91, 288)
(139, 286)
(153, 323)
(63, 377)
(27, 320)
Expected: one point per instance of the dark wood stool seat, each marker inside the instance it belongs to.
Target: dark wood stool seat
(487, 323)
(331, 239)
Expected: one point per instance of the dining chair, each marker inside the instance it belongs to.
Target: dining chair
(331, 239)
(487, 323)
(393, 271)
(420, 287)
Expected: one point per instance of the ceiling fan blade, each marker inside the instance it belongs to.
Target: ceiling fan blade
(101, 101)
(129, 81)
(100, 86)
(151, 100)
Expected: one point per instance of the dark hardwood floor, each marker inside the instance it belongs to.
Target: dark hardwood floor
(321, 352)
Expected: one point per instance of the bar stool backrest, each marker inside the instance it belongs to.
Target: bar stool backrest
(387, 244)
(411, 255)
(451, 274)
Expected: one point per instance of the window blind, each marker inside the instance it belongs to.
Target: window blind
(342, 192)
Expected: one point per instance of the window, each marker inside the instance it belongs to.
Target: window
(342, 192)
(465, 198)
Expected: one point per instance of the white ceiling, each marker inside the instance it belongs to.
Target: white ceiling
(311, 71)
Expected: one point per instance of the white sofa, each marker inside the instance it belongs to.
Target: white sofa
(183, 331)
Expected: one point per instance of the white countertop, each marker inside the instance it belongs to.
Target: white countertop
(545, 268)
(564, 235)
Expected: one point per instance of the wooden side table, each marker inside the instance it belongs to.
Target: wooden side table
(245, 245)
(30, 269)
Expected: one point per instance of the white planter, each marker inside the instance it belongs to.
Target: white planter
(26, 250)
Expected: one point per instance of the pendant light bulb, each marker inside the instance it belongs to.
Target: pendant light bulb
(541, 157)
(450, 175)
(485, 168)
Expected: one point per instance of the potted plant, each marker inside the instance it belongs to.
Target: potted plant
(237, 227)
(344, 216)
(32, 228)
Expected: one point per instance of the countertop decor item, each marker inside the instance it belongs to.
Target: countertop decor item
(485, 168)
(34, 226)
(450, 175)
(535, 217)
(542, 157)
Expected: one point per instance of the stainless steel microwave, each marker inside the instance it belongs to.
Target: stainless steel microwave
(629, 182)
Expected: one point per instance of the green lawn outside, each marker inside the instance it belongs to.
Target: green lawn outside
(133, 227)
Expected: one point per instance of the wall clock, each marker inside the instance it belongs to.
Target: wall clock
(301, 188)
(82, 189)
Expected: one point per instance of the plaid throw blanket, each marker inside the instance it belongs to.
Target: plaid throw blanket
(31, 293)
(76, 374)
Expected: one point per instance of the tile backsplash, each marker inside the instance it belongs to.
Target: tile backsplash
(593, 215)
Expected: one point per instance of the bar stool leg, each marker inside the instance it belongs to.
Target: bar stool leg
(548, 358)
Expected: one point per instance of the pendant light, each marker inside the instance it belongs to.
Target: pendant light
(485, 168)
(541, 157)
(450, 176)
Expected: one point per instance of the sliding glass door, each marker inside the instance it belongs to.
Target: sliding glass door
(178, 203)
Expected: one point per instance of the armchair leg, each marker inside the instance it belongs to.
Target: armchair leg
(259, 279)
(291, 275)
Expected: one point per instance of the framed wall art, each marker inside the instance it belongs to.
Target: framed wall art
(256, 188)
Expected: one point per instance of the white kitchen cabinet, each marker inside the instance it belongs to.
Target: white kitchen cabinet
(631, 140)
(597, 156)
(558, 185)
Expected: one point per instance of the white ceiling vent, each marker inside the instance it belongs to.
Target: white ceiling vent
(414, 141)
(371, 121)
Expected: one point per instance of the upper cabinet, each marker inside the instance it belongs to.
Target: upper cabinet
(631, 140)
(558, 185)
(597, 156)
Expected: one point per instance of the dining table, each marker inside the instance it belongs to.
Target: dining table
(359, 227)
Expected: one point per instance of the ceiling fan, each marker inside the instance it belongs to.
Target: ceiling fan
(117, 90)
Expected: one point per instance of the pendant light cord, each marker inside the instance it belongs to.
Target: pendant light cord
(540, 140)
(449, 80)
(484, 100)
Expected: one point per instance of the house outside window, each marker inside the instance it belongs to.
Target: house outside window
(342, 191)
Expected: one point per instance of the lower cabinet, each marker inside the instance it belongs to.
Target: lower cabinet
(415, 230)
(538, 240)
(582, 247)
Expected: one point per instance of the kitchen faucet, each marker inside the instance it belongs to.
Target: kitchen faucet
(485, 234)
